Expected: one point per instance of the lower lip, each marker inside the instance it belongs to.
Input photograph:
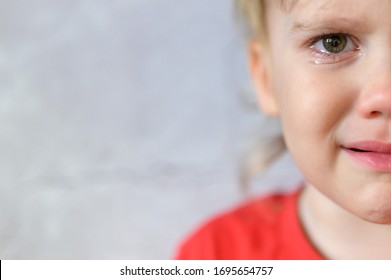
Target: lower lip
(375, 161)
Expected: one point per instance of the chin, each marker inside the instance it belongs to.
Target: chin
(378, 218)
(378, 215)
(375, 205)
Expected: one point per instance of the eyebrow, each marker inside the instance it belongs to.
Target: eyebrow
(339, 24)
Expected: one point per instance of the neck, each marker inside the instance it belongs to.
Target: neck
(339, 234)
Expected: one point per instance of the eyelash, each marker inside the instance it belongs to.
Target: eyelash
(325, 57)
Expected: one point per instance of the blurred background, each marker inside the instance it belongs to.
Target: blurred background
(123, 125)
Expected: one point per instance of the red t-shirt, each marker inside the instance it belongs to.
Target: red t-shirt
(266, 228)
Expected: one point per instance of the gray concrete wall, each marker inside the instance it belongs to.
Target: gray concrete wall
(122, 125)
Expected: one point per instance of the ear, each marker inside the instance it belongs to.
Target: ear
(260, 72)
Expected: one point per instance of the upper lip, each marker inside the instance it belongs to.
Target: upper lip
(369, 146)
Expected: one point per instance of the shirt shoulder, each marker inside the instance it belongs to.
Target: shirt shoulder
(249, 231)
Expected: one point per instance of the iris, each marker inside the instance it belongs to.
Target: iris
(335, 43)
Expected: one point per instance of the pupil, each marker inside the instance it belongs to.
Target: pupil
(334, 42)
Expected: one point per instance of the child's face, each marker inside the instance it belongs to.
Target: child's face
(327, 74)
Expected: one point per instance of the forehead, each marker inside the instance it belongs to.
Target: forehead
(288, 5)
(334, 7)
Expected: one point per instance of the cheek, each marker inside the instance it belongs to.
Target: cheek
(314, 102)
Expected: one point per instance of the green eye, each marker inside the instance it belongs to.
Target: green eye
(335, 43)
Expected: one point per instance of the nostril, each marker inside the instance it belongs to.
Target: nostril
(375, 114)
(375, 100)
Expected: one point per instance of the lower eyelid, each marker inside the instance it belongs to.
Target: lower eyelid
(330, 58)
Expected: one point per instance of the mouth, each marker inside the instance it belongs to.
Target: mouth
(370, 154)
(357, 150)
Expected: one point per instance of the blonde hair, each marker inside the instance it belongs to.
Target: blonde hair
(253, 13)
(267, 149)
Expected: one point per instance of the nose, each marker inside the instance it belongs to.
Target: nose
(375, 99)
